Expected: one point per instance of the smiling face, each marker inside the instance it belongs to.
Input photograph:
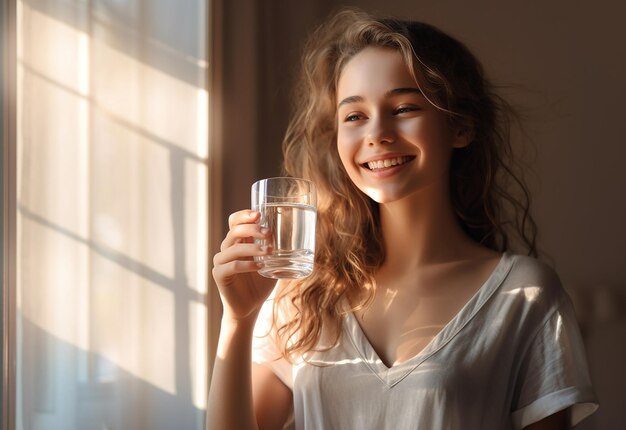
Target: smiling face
(391, 140)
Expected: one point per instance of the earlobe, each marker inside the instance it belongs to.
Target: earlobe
(463, 137)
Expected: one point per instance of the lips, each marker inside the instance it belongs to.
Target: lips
(384, 163)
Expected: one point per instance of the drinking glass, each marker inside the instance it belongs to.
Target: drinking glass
(288, 209)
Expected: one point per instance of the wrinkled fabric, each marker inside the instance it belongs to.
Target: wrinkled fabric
(512, 356)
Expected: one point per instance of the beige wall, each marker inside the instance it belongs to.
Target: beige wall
(565, 66)
(262, 41)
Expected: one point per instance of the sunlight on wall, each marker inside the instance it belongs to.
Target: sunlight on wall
(112, 233)
(198, 359)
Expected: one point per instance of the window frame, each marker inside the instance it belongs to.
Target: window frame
(8, 122)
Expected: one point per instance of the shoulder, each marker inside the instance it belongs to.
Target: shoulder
(534, 282)
(529, 270)
(529, 296)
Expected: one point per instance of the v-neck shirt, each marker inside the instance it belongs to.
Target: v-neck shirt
(510, 357)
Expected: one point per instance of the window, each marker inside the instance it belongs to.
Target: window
(110, 206)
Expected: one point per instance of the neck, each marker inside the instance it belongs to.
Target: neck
(421, 230)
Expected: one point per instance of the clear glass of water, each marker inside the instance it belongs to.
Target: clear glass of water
(288, 209)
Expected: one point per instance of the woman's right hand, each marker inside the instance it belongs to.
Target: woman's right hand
(242, 289)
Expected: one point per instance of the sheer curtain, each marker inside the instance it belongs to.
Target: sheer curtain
(112, 109)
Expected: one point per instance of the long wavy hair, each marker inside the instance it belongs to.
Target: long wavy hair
(490, 200)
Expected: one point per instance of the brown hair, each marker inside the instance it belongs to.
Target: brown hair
(490, 200)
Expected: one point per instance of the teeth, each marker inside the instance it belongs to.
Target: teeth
(381, 164)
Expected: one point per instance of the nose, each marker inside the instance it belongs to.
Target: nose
(380, 131)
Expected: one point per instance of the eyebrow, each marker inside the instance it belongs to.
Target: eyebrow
(390, 93)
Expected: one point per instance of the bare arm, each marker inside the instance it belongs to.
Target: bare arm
(273, 400)
(557, 421)
(245, 395)
(232, 404)
(230, 395)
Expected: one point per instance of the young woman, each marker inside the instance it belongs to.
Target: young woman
(418, 315)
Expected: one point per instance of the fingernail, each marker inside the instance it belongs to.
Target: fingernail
(253, 214)
(265, 230)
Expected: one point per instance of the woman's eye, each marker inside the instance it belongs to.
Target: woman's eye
(406, 109)
(353, 117)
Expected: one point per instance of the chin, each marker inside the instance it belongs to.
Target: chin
(383, 196)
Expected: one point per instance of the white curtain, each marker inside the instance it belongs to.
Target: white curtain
(112, 208)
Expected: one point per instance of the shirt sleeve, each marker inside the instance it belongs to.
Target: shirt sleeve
(264, 350)
(553, 374)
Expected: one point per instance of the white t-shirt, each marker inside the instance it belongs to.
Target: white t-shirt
(512, 356)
